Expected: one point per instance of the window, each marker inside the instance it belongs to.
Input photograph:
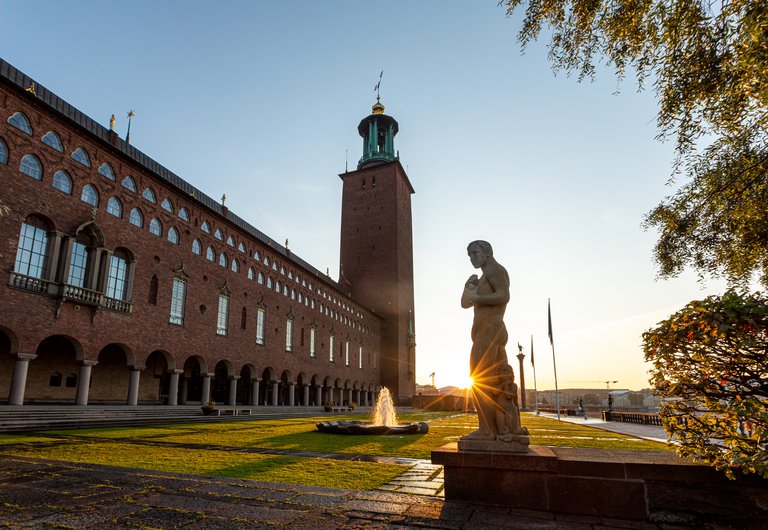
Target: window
(274, 266)
(260, 278)
(257, 256)
(62, 181)
(30, 165)
(223, 316)
(149, 195)
(289, 335)
(205, 227)
(155, 228)
(346, 353)
(55, 379)
(251, 273)
(210, 254)
(71, 381)
(312, 350)
(78, 264)
(106, 170)
(178, 297)
(136, 219)
(218, 235)
(261, 317)
(166, 205)
(51, 139)
(33, 249)
(114, 207)
(241, 247)
(243, 318)
(173, 235)
(231, 241)
(270, 284)
(360, 357)
(90, 195)
(3, 153)
(197, 247)
(330, 349)
(285, 290)
(81, 156)
(278, 286)
(235, 266)
(129, 184)
(153, 287)
(117, 276)
(282, 270)
(223, 260)
(184, 215)
(21, 122)
(266, 260)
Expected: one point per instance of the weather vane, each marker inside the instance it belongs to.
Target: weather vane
(128, 134)
(377, 88)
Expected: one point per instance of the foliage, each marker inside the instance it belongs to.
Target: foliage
(711, 360)
(708, 65)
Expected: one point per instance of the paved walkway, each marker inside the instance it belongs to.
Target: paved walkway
(44, 494)
(647, 432)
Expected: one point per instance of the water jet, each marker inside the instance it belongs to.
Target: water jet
(383, 421)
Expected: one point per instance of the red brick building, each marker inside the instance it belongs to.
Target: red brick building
(125, 284)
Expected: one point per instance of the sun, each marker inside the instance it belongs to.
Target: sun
(468, 382)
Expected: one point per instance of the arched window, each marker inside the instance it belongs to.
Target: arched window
(282, 271)
(184, 215)
(114, 207)
(129, 184)
(166, 205)
(266, 260)
(260, 278)
(217, 234)
(32, 253)
(173, 235)
(235, 266)
(205, 227)
(21, 122)
(155, 228)
(210, 254)
(223, 260)
(51, 139)
(153, 288)
(30, 165)
(293, 294)
(285, 290)
(241, 247)
(81, 156)
(251, 273)
(231, 241)
(149, 195)
(269, 282)
(78, 262)
(90, 195)
(274, 266)
(257, 255)
(136, 218)
(3, 153)
(197, 248)
(106, 170)
(278, 286)
(117, 275)
(62, 181)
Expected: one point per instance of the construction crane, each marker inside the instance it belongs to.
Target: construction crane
(608, 384)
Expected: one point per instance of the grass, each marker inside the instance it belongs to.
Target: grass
(221, 449)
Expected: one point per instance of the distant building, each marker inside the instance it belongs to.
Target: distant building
(126, 284)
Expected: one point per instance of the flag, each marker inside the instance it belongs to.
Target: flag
(549, 323)
(532, 364)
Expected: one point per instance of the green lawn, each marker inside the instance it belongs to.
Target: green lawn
(221, 449)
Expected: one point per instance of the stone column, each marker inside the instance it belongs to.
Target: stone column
(84, 382)
(306, 395)
(291, 391)
(319, 395)
(357, 396)
(173, 390)
(133, 386)
(19, 381)
(520, 358)
(255, 391)
(330, 396)
(233, 390)
(183, 382)
(205, 395)
(275, 389)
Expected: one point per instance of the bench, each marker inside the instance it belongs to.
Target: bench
(340, 409)
(233, 412)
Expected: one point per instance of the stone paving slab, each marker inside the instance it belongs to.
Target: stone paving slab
(64, 495)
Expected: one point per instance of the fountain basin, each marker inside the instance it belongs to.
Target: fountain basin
(360, 427)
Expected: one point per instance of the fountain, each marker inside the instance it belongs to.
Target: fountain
(384, 421)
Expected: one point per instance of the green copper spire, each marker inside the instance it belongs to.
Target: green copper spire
(378, 131)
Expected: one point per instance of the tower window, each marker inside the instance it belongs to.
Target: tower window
(62, 181)
(81, 156)
(30, 165)
(51, 139)
(21, 122)
(106, 170)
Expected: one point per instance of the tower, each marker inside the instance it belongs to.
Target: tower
(376, 257)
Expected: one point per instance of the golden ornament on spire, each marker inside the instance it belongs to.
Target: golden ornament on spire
(378, 108)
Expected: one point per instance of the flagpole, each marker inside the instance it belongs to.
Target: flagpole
(554, 362)
(535, 386)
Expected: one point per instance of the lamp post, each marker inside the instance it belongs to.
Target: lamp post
(520, 358)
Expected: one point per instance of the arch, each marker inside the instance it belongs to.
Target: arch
(191, 384)
(286, 388)
(91, 231)
(109, 378)
(301, 394)
(268, 380)
(9, 347)
(248, 375)
(155, 380)
(55, 354)
(223, 372)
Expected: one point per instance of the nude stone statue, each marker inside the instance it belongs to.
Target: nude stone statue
(498, 414)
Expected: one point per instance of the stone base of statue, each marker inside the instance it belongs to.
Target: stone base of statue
(503, 443)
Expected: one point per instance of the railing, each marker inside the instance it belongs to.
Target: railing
(632, 417)
(69, 292)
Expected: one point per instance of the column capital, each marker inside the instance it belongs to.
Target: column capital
(209, 376)
(88, 362)
(176, 371)
(26, 356)
(234, 377)
(138, 368)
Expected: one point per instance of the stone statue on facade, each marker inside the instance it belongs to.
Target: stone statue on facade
(494, 389)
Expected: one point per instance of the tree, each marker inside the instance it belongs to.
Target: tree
(707, 62)
(709, 360)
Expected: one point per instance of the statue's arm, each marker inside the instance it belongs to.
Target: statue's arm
(470, 288)
(499, 294)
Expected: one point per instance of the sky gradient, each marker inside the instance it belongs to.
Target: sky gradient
(261, 101)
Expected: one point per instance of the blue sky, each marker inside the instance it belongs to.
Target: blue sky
(261, 101)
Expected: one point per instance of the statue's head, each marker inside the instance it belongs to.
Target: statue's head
(479, 252)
